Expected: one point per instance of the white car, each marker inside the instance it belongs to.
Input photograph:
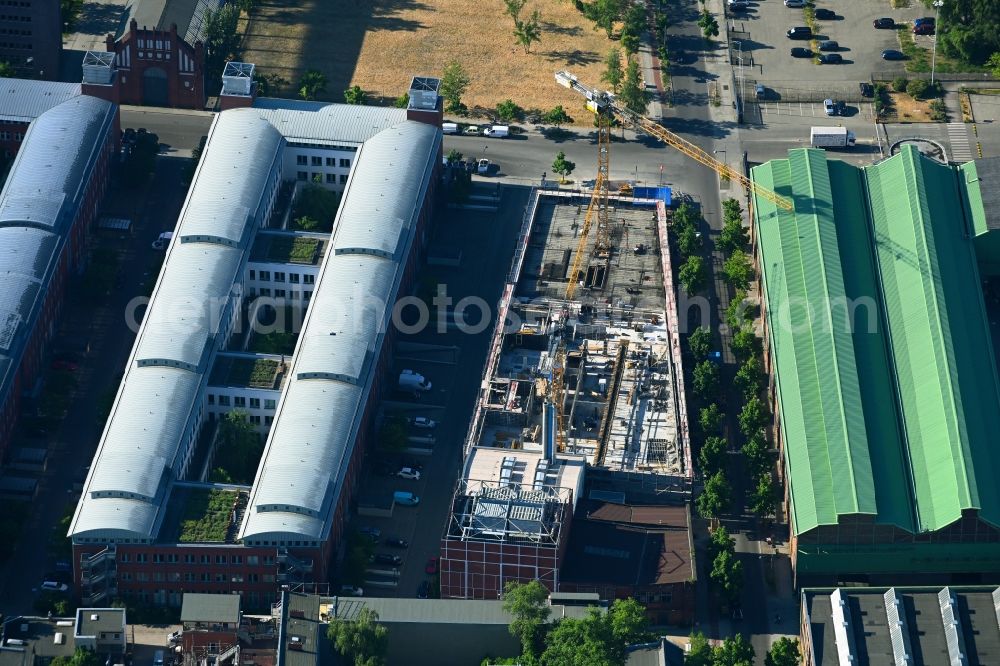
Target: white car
(53, 586)
(795, 4)
(408, 473)
(483, 167)
(352, 591)
(423, 422)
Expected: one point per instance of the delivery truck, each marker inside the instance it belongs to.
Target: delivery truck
(497, 131)
(831, 137)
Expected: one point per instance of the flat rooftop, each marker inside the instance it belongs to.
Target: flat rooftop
(95, 621)
(289, 248)
(248, 371)
(609, 346)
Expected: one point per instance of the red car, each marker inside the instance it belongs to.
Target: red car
(432, 566)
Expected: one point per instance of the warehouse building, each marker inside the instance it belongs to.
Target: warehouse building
(884, 390)
(135, 529)
(65, 143)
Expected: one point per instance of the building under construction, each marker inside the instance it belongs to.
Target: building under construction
(583, 375)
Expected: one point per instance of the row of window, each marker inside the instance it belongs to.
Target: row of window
(253, 418)
(240, 401)
(317, 160)
(188, 577)
(173, 558)
(149, 54)
(5, 136)
(280, 293)
(161, 44)
(15, 46)
(14, 3)
(331, 178)
(15, 17)
(279, 276)
(15, 32)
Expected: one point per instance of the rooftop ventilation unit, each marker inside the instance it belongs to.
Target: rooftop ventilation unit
(424, 93)
(237, 78)
(98, 67)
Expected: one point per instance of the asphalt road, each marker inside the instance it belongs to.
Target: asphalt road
(179, 130)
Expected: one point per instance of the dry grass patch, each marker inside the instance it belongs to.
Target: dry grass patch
(909, 110)
(380, 44)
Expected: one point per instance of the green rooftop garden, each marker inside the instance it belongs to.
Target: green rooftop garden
(293, 249)
(206, 515)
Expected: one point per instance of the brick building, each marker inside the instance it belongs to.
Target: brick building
(65, 143)
(147, 526)
(31, 37)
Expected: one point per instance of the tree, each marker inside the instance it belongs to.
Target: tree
(613, 72)
(734, 651)
(562, 166)
(712, 455)
(239, 447)
(733, 236)
(715, 497)
(454, 82)
(556, 116)
(700, 342)
(993, 63)
(755, 450)
(700, 652)
(6, 70)
(705, 380)
(745, 344)
(508, 110)
(721, 541)
(784, 652)
(269, 84)
(629, 624)
(630, 42)
(633, 94)
(81, 657)
(354, 95)
(727, 573)
(453, 157)
(738, 271)
(402, 101)
(764, 498)
(710, 419)
(604, 14)
(311, 84)
(221, 39)
(246, 6)
(513, 8)
(688, 241)
(362, 639)
(753, 417)
(527, 603)
(709, 26)
(750, 376)
(318, 203)
(528, 31)
(738, 311)
(692, 274)
(586, 640)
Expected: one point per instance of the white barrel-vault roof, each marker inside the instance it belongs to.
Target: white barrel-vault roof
(310, 443)
(141, 440)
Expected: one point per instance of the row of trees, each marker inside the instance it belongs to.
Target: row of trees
(737, 651)
(693, 271)
(625, 81)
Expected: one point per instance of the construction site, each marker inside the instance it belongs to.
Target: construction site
(589, 367)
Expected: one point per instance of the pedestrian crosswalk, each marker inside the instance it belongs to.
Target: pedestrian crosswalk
(958, 136)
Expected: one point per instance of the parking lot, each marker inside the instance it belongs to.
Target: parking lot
(453, 362)
(861, 44)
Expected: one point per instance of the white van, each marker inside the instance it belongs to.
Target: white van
(449, 128)
(163, 240)
(497, 131)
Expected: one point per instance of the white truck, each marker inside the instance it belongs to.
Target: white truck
(413, 382)
(831, 137)
(497, 131)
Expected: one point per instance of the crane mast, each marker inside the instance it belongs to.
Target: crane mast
(604, 103)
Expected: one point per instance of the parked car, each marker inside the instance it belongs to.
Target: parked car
(799, 32)
(405, 498)
(829, 45)
(829, 107)
(867, 89)
(54, 586)
(840, 107)
(423, 422)
(884, 23)
(483, 166)
(471, 129)
(163, 240)
(423, 590)
(408, 473)
(925, 20)
(738, 5)
(352, 591)
(396, 542)
(795, 4)
(799, 52)
(831, 58)
(373, 532)
(893, 54)
(432, 566)
(760, 91)
(825, 14)
(923, 29)
(386, 558)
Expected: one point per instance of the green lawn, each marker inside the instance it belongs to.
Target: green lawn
(918, 58)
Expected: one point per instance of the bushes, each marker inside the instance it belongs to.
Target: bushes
(508, 111)
(899, 83)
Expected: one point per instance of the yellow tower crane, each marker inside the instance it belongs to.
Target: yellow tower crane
(604, 104)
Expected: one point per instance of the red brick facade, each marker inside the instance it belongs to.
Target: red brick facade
(158, 68)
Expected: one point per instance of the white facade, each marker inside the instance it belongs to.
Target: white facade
(328, 166)
(294, 282)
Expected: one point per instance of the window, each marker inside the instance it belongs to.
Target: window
(255, 403)
(317, 177)
(268, 560)
(126, 575)
(279, 276)
(254, 419)
(293, 278)
(345, 163)
(141, 558)
(211, 399)
(331, 161)
(237, 559)
(189, 559)
(157, 558)
(308, 278)
(239, 401)
(265, 292)
(253, 274)
(268, 404)
(253, 578)
(265, 276)
(220, 578)
(189, 577)
(220, 559)
(302, 175)
(253, 560)
(223, 401)
(317, 161)
(125, 557)
(205, 559)
(301, 160)
(279, 293)
(268, 578)
(331, 178)
(343, 178)
(206, 577)
(268, 420)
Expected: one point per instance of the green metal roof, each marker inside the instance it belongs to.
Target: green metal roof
(881, 412)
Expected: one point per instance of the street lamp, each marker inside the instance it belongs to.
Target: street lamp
(937, 7)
